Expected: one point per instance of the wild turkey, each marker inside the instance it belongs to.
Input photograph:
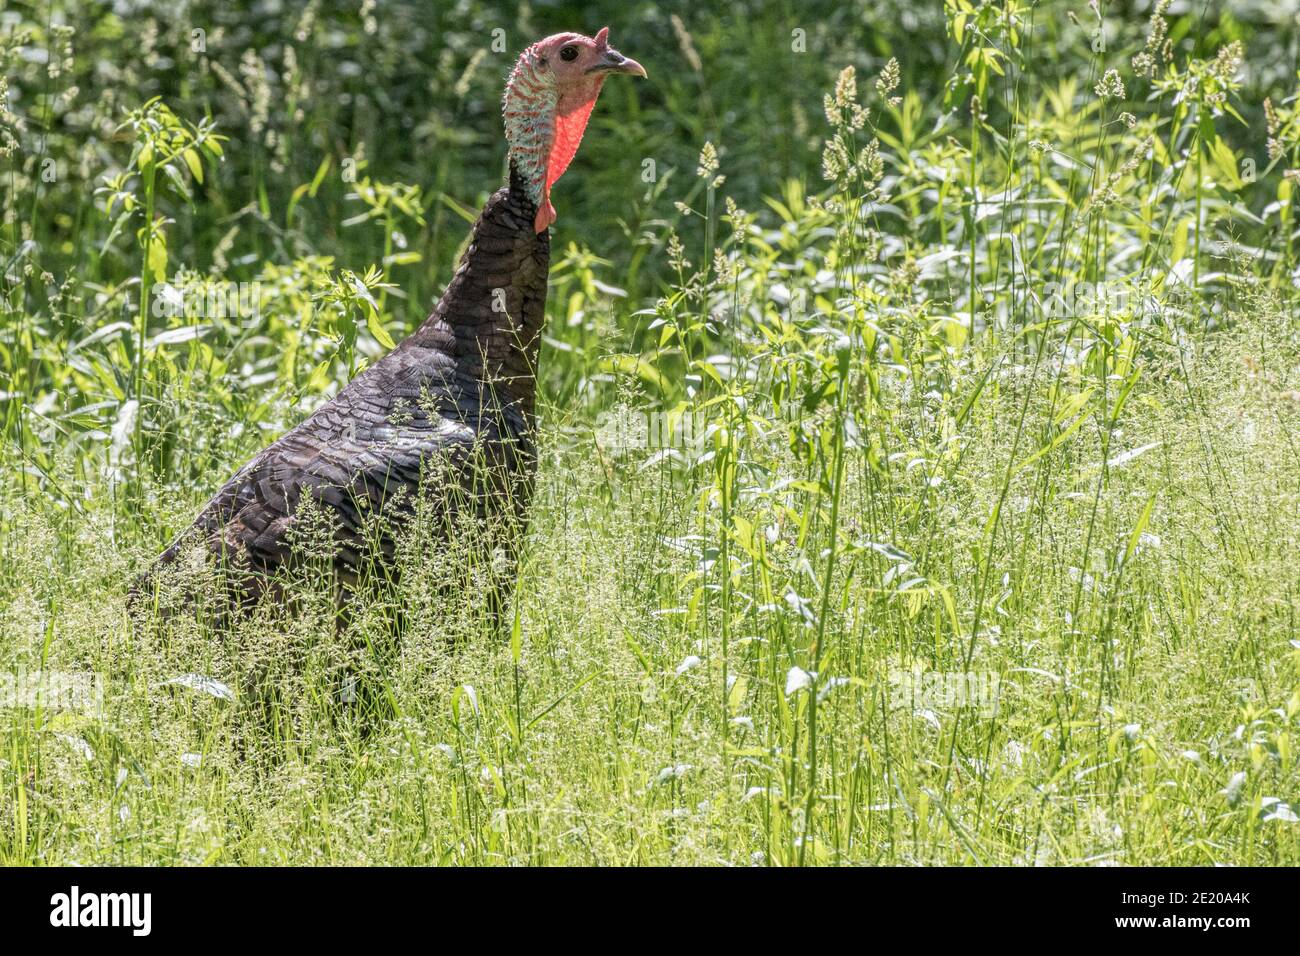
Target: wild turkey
(450, 410)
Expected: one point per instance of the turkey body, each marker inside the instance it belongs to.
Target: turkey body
(449, 414)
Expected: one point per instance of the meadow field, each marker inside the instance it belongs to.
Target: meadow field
(919, 404)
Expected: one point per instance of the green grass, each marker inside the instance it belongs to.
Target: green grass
(1131, 694)
(916, 448)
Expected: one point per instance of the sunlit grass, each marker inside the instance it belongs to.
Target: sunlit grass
(1007, 401)
(1133, 691)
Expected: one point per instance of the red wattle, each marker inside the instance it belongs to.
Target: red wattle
(545, 212)
(568, 134)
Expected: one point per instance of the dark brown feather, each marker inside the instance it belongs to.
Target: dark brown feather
(448, 412)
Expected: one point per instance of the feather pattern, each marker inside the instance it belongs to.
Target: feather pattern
(454, 396)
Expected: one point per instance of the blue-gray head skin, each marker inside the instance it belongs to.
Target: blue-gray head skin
(548, 99)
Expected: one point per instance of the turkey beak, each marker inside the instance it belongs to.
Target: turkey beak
(614, 62)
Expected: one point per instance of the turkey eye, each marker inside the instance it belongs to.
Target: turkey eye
(569, 53)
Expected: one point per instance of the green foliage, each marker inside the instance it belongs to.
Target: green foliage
(976, 376)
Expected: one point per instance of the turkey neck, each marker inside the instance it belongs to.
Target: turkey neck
(489, 321)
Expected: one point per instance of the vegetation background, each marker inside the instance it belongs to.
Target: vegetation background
(897, 352)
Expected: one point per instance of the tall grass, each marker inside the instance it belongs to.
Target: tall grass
(941, 511)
